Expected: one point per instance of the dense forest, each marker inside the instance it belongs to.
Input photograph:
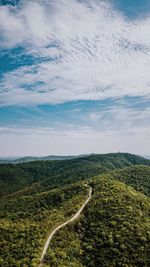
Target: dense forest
(26, 221)
(43, 175)
(113, 229)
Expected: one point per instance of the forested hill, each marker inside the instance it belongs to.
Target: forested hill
(113, 229)
(136, 176)
(41, 175)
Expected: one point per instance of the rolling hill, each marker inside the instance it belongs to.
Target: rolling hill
(43, 175)
(136, 176)
(113, 229)
(25, 222)
(31, 159)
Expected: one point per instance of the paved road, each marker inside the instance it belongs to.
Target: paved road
(62, 225)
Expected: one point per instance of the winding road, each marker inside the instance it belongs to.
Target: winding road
(62, 225)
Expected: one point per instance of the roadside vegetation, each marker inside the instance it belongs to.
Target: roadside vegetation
(25, 222)
(114, 230)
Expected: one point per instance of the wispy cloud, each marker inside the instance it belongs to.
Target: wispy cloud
(92, 52)
(120, 118)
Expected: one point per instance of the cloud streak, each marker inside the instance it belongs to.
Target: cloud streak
(91, 52)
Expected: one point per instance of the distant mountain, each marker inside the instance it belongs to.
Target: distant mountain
(51, 157)
(147, 156)
(5, 161)
(30, 158)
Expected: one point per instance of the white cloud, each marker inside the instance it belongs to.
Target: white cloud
(118, 117)
(96, 53)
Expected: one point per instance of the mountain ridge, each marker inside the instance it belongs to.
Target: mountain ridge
(44, 158)
(51, 174)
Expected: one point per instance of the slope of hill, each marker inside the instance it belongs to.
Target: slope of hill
(26, 221)
(113, 227)
(41, 175)
(136, 176)
(114, 230)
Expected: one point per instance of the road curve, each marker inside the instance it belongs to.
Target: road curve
(61, 226)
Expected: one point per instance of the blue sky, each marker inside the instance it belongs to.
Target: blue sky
(75, 79)
(133, 9)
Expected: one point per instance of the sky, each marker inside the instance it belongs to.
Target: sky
(74, 77)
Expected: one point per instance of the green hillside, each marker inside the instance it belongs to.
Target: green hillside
(51, 174)
(26, 221)
(136, 176)
(114, 230)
